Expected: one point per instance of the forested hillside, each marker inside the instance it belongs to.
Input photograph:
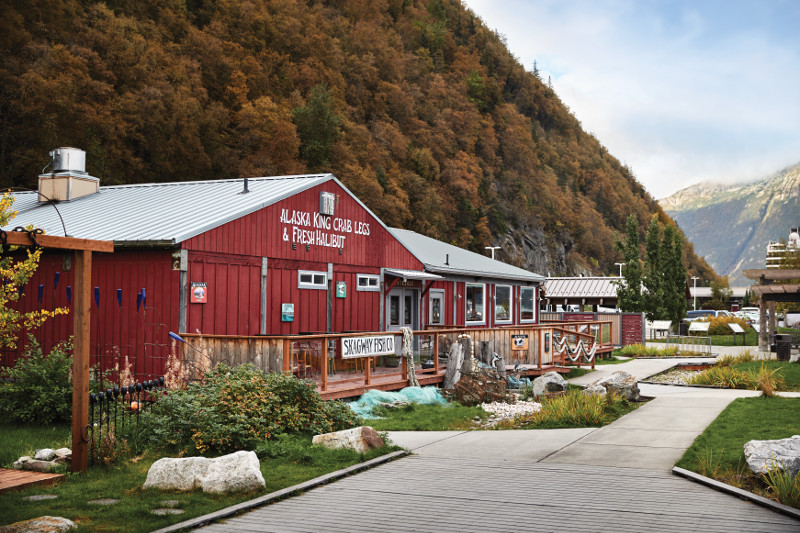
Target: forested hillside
(415, 105)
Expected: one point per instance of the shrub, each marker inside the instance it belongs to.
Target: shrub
(719, 324)
(237, 408)
(785, 487)
(726, 376)
(39, 387)
(728, 360)
(574, 409)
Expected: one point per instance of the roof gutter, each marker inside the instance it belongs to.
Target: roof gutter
(145, 244)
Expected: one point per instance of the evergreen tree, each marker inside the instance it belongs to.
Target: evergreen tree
(629, 289)
(317, 126)
(654, 278)
(673, 275)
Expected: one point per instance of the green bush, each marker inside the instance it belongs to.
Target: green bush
(719, 324)
(236, 408)
(38, 389)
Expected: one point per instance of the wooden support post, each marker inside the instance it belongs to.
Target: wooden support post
(80, 361)
(404, 365)
(287, 355)
(436, 354)
(324, 364)
(367, 370)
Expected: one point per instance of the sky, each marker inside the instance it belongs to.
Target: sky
(681, 91)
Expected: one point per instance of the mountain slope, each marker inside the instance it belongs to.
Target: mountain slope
(415, 105)
(731, 225)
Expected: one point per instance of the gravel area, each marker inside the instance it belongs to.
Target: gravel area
(676, 376)
(508, 411)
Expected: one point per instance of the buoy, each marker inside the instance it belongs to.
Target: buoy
(134, 406)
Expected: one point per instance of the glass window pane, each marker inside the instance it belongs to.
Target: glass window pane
(407, 311)
(502, 303)
(474, 303)
(305, 278)
(394, 310)
(526, 305)
(436, 310)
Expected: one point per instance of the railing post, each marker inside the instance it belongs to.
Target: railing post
(436, 353)
(324, 364)
(287, 355)
(367, 370)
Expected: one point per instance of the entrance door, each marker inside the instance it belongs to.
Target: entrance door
(402, 307)
(436, 309)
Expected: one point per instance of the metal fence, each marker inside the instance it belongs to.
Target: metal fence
(115, 408)
(690, 343)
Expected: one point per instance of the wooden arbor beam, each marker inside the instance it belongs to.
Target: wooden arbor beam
(80, 352)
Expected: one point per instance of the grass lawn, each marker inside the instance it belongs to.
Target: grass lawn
(416, 417)
(576, 372)
(286, 461)
(790, 372)
(718, 453)
(16, 441)
(613, 360)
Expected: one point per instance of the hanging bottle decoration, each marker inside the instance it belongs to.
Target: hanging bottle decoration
(56, 277)
(41, 292)
(97, 296)
(119, 297)
(138, 300)
(69, 294)
(144, 297)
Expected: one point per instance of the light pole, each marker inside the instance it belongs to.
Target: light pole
(492, 248)
(694, 293)
(620, 265)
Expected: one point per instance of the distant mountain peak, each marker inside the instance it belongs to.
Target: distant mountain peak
(731, 224)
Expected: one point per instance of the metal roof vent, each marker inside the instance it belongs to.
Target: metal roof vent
(68, 159)
(68, 179)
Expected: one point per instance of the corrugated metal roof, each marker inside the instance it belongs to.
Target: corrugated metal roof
(159, 212)
(586, 287)
(433, 254)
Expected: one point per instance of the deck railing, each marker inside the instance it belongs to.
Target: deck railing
(319, 356)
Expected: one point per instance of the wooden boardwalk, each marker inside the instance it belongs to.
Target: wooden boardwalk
(420, 493)
(20, 479)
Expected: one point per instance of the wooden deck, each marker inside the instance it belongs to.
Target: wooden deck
(420, 493)
(20, 479)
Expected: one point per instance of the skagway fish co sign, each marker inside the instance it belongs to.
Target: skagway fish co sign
(367, 346)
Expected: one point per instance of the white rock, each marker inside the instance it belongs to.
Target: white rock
(19, 464)
(597, 390)
(621, 383)
(550, 382)
(360, 439)
(235, 472)
(43, 524)
(509, 411)
(45, 454)
(761, 455)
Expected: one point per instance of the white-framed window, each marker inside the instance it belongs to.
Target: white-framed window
(503, 307)
(310, 279)
(474, 301)
(527, 313)
(368, 282)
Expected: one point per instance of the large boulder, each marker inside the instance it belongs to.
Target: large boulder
(550, 382)
(619, 383)
(360, 439)
(235, 472)
(43, 524)
(595, 390)
(761, 455)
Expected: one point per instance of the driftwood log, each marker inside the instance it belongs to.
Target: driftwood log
(454, 360)
(408, 353)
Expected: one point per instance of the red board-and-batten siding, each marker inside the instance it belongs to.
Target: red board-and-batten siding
(261, 234)
(115, 328)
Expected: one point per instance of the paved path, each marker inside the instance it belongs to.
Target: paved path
(615, 478)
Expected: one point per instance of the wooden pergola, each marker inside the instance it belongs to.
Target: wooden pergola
(83, 249)
(770, 292)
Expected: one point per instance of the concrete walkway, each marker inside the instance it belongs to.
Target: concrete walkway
(614, 478)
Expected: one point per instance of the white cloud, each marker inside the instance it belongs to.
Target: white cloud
(682, 92)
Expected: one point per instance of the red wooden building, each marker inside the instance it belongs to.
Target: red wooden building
(270, 256)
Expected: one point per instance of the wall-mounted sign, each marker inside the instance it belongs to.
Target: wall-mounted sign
(287, 312)
(519, 342)
(353, 347)
(305, 227)
(341, 289)
(198, 293)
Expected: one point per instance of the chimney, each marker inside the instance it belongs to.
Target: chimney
(67, 179)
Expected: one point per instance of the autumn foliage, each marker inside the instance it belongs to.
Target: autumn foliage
(415, 105)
